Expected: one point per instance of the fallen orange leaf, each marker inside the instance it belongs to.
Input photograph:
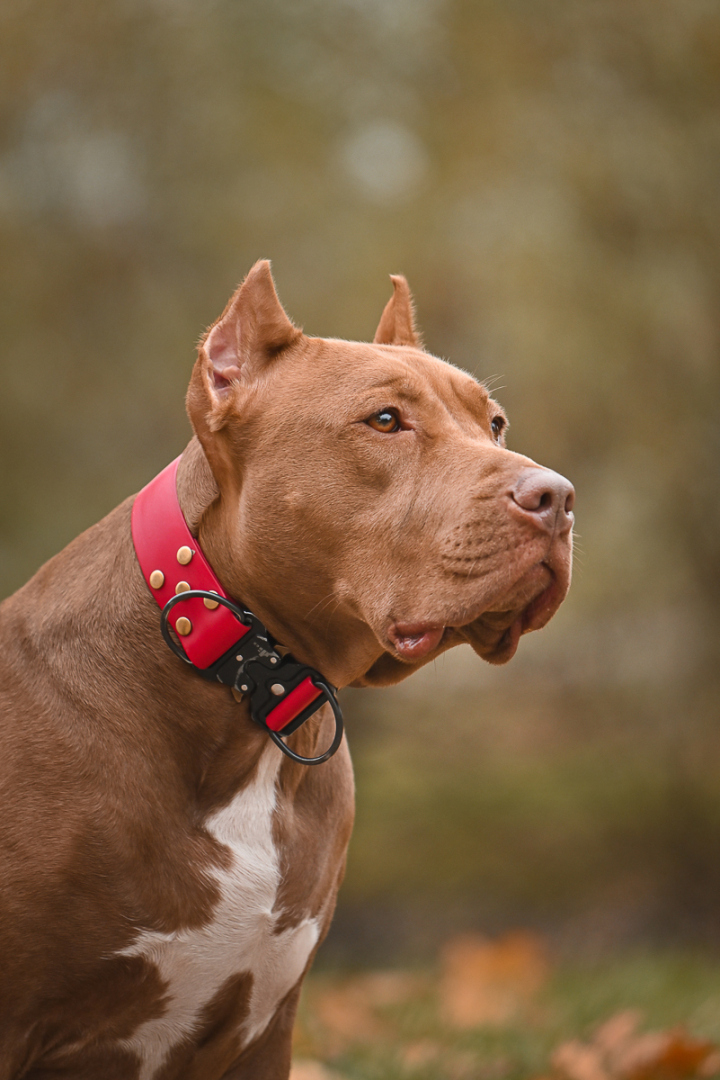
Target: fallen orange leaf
(490, 982)
(420, 1053)
(711, 1064)
(618, 1052)
(348, 1010)
(312, 1070)
(578, 1061)
(346, 1015)
(679, 1056)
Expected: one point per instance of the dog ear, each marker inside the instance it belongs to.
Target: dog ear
(252, 329)
(249, 334)
(397, 323)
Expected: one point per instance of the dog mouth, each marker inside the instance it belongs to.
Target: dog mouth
(413, 641)
(495, 633)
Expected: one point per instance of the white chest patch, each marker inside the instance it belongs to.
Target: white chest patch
(196, 963)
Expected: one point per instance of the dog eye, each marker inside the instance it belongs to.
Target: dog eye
(387, 421)
(497, 425)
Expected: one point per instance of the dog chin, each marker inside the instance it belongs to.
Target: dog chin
(494, 635)
(529, 605)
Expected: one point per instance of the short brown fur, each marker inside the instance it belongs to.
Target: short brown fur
(366, 553)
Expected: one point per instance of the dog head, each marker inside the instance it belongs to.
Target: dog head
(367, 508)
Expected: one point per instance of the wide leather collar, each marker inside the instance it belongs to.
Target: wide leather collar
(221, 639)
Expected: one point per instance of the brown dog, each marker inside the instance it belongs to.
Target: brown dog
(166, 873)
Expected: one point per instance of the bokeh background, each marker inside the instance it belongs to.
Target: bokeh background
(547, 175)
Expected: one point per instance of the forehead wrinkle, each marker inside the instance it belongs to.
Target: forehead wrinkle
(402, 389)
(474, 397)
(397, 382)
(450, 386)
(453, 389)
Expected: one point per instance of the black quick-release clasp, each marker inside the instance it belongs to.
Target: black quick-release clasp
(255, 667)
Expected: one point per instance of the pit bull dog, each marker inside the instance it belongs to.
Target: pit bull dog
(167, 872)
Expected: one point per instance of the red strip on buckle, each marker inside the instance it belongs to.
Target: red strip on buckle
(160, 534)
(291, 706)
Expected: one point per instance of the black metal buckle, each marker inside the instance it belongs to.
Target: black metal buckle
(253, 666)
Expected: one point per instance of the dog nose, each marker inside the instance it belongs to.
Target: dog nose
(547, 496)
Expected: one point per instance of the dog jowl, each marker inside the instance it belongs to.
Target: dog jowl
(167, 871)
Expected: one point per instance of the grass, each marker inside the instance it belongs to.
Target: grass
(404, 1037)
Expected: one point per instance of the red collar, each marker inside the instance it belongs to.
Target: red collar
(169, 555)
(219, 638)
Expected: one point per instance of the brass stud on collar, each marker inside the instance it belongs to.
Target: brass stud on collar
(182, 586)
(212, 604)
(183, 626)
(184, 555)
(277, 689)
(157, 579)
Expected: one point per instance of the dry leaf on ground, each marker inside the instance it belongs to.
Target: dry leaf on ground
(416, 1054)
(574, 1060)
(452, 1064)
(312, 1070)
(619, 1052)
(490, 982)
(348, 1011)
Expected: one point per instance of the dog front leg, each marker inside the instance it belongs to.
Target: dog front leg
(270, 1057)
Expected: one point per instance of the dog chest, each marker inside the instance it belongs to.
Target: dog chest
(242, 936)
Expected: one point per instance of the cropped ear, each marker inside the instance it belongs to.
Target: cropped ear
(397, 323)
(249, 334)
(252, 329)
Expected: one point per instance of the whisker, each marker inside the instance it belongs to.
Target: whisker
(330, 596)
(487, 383)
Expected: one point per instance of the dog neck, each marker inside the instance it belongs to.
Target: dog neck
(196, 486)
(343, 655)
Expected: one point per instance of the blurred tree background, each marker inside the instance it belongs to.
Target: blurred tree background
(547, 175)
